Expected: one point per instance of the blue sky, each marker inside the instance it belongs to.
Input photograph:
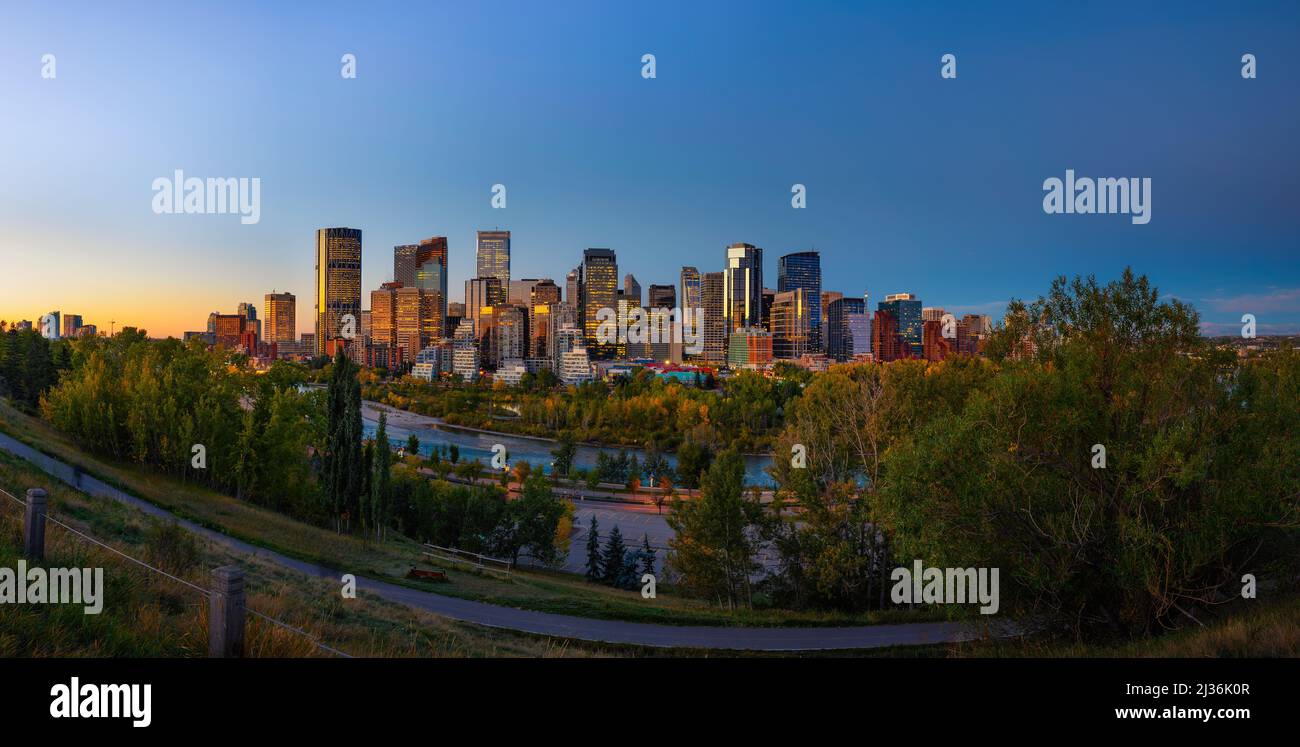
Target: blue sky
(914, 183)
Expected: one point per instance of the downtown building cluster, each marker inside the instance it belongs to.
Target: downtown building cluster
(513, 326)
(509, 327)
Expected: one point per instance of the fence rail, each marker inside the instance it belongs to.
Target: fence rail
(226, 603)
(477, 560)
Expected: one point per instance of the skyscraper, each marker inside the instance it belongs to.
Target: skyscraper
(690, 288)
(804, 270)
(631, 290)
(742, 287)
(494, 256)
(71, 325)
(480, 294)
(338, 282)
(249, 311)
(405, 263)
(280, 310)
(599, 291)
(431, 277)
(573, 287)
(792, 323)
(906, 310)
(662, 297)
(544, 297)
(847, 327)
(713, 320)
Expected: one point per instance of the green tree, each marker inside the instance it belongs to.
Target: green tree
(564, 452)
(717, 535)
(381, 482)
(595, 568)
(613, 556)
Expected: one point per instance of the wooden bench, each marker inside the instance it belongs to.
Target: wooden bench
(427, 575)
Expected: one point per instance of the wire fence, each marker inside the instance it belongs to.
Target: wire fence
(205, 592)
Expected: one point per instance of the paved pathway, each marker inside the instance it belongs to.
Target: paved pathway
(542, 623)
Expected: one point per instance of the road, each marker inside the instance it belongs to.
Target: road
(540, 623)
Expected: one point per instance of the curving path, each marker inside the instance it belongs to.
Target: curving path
(541, 623)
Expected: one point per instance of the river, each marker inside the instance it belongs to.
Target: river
(537, 452)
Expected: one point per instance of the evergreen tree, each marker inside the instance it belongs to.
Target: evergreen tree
(413, 445)
(613, 559)
(593, 551)
(382, 480)
(647, 555)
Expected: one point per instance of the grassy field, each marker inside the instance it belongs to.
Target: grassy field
(147, 615)
(540, 590)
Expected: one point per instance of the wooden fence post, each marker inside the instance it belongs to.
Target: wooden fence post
(34, 525)
(226, 613)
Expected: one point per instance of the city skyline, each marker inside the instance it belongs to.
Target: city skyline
(914, 183)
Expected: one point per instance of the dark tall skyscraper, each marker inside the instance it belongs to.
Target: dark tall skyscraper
(338, 283)
(494, 256)
(431, 277)
(804, 270)
(742, 289)
(663, 297)
(599, 291)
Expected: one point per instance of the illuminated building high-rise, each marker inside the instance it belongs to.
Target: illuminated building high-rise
(494, 256)
(848, 328)
(742, 289)
(599, 291)
(690, 281)
(792, 323)
(713, 320)
(662, 297)
(338, 282)
(431, 277)
(804, 270)
(906, 311)
(280, 310)
(404, 263)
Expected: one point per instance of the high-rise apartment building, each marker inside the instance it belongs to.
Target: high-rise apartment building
(280, 310)
(338, 282)
(494, 256)
(599, 291)
(742, 288)
(803, 270)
